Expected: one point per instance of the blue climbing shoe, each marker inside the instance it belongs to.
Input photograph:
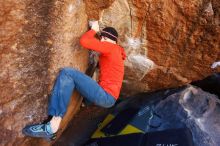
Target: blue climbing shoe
(39, 130)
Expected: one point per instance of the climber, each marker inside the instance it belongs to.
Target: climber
(215, 64)
(104, 93)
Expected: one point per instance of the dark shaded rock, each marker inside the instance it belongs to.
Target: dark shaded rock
(194, 109)
(210, 84)
(82, 126)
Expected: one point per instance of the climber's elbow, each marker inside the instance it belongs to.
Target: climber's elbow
(82, 41)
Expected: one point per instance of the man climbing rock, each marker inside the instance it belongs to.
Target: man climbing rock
(104, 93)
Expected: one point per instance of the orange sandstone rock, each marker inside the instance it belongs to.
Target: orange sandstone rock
(37, 38)
(179, 40)
(168, 43)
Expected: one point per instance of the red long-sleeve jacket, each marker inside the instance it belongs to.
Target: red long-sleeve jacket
(111, 62)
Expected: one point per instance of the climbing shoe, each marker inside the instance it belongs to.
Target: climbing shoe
(39, 130)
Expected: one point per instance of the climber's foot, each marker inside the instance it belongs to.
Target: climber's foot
(39, 130)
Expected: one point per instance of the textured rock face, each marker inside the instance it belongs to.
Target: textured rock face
(37, 38)
(204, 114)
(181, 109)
(168, 43)
(201, 119)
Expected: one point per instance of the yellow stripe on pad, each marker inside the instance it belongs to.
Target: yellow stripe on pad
(129, 129)
(98, 132)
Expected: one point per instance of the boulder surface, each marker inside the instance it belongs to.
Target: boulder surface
(168, 44)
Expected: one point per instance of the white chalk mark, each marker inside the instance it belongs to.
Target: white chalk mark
(134, 43)
(209, 10)
(215, 64)
(141, 62)
(70, 8)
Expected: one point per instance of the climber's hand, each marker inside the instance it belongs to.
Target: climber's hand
(94, 25)
(215, 64)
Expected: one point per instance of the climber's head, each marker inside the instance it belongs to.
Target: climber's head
(109, 34)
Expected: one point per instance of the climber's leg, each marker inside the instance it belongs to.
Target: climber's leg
(90, 89)
(61, 94)
(68, 80)
(59, 100)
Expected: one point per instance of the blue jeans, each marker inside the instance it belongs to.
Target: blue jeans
(67, 81)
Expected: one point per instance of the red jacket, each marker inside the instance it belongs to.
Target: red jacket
(111, 62)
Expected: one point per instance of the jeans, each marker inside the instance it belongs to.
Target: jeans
(67, 81)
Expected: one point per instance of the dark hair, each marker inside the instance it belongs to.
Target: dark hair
(110, 33)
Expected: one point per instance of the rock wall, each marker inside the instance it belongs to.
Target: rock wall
(168, 44)
(37, 38)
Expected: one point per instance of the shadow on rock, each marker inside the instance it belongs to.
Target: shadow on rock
(187, 107)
